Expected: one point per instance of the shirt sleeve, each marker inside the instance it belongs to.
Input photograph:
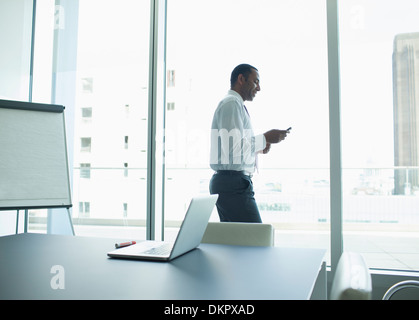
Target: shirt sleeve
(260, 142)
(239, 144)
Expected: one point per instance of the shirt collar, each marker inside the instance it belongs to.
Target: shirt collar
(237, 95)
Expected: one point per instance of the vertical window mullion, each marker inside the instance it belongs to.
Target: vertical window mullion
(32, 51)
(157, 80)
(336, 237)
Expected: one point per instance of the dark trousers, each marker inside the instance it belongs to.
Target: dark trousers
(236, 202)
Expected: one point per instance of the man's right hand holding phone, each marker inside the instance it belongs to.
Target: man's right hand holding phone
(275, 135)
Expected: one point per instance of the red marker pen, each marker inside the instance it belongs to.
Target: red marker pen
(124, 244)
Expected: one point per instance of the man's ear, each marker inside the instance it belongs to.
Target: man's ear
(241, 79)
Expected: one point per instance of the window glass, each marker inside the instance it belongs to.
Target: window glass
(111, 112)
(286, 41)
(15, 56)
(379, 45)
(15, 53)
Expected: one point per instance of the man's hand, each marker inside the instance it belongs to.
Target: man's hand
(267, 148)
(275, 136)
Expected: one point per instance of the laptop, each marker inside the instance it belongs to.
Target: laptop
(188, 238)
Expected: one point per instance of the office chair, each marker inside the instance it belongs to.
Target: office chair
(352, 279)
(239, 233)
(400, 286)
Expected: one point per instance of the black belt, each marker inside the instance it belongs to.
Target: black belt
(233, 173)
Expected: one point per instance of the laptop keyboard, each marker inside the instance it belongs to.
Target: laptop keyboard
(161, 250)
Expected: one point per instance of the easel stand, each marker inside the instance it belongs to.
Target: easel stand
(26, 220)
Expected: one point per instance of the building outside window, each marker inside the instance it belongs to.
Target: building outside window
(379, 83)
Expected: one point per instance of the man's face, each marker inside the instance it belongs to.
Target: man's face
(251, 86)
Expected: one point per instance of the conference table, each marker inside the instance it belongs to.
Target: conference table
(46, 266)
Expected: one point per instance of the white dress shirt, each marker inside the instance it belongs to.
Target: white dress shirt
(233, 143)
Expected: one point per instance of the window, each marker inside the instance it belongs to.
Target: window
(170, 106)
(86, 144)
(87, 85)
(379, 43)
(170, 78)
(125, 210)
(112, 79)
(15, 61)
(85, 170)
(84, 209)
(86, 113)
(125, 169)
(286, 41)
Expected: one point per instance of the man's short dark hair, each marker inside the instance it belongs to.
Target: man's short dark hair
(244, 69)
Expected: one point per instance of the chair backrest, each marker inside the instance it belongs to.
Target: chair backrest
(352, 279)
(239, 233)
(407, 284)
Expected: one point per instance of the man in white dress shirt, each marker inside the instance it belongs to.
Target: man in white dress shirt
(234, 149)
